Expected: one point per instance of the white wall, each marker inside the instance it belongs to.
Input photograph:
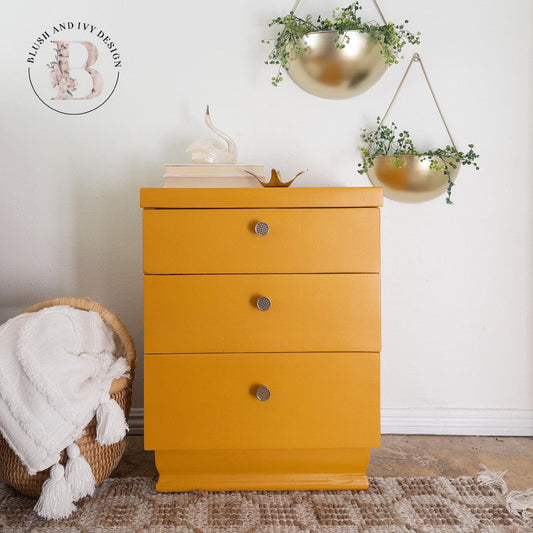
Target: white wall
(457, 280)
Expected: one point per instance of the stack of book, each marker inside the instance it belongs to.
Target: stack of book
(212, 175)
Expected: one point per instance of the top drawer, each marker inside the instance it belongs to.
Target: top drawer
(225, 241)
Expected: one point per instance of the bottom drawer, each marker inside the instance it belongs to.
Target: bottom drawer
(208, 401)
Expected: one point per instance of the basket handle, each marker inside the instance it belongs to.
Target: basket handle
(417, 59)
(297, 3)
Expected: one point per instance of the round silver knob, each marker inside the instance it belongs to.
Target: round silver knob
(262, 229)
(263, 303)
(262, 393)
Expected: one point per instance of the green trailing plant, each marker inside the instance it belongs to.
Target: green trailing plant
(288, 44)
(385, 140)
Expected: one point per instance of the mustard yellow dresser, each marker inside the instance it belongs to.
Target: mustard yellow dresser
(262, 336)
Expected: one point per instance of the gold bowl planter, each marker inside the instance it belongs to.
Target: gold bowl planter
(414, 181)
(337, 73)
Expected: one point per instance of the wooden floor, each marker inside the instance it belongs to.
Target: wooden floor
(407, 456)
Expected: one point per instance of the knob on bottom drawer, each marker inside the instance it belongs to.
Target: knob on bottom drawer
(263, 303)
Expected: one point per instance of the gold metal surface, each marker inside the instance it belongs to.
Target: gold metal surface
(275, 179)
(337, 73)
(412, 182)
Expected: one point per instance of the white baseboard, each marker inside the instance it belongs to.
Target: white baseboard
(483, 422)
(501, 422)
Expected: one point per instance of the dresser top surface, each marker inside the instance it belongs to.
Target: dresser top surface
(179, 198)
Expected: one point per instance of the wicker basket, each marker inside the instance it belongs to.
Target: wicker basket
(103, 459)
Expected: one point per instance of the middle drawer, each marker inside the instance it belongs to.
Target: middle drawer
(219, 313)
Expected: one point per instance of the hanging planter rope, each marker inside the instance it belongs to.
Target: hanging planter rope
(414, 177)
(337, 64)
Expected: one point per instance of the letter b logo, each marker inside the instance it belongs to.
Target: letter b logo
(88, 78)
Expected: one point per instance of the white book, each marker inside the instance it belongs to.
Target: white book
(215, 182)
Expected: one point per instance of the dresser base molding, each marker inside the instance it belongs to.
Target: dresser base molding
(335, 469)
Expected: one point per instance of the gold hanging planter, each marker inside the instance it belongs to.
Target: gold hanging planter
(336, 64)
(417, 178)
(408, 178)
(327, 71)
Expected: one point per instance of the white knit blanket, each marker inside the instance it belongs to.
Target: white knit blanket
(56, 368)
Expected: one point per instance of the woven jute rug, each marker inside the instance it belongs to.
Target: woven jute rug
(390, 505)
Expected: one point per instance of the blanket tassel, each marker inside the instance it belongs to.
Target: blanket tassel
(79, 474)
(519, 504)
(55, 502)
(111, 425)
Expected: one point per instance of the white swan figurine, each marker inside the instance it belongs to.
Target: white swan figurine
(211, 150)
